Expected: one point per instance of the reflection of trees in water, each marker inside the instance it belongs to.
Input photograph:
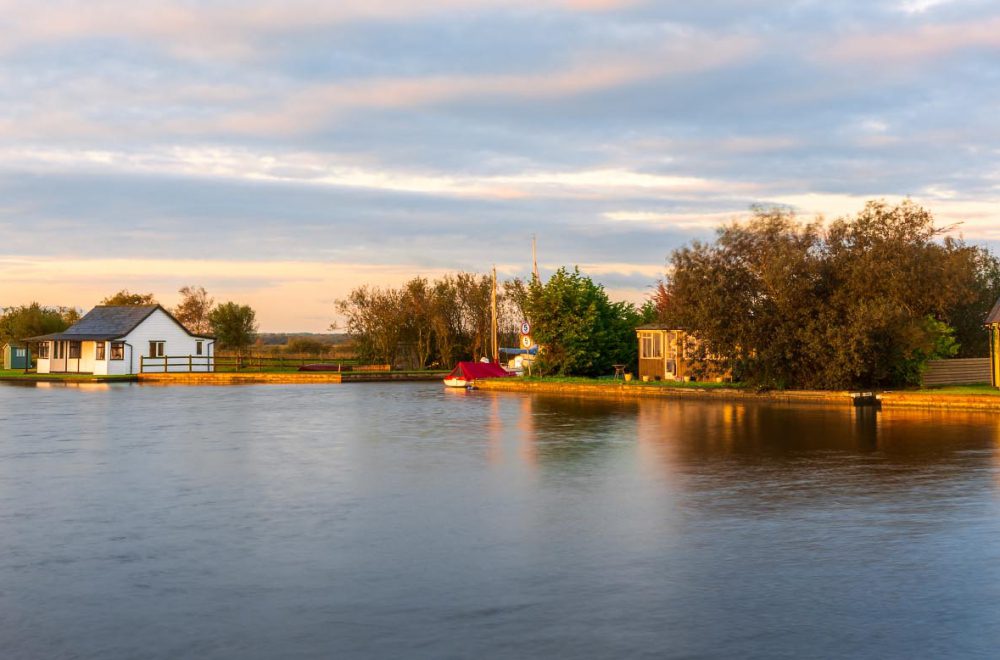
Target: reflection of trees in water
(751, 458)
(568, 429)
(792, 441)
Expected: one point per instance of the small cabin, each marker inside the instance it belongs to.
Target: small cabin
(993, 326)
(16, 357)
(123, 340)
(667, 353)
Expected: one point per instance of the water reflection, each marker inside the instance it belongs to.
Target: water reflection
(389, 520)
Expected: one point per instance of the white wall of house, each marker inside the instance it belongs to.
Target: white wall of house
(177, 343)
(158, 326)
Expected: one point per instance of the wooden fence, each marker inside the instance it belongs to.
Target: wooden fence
(220, 363)
(957, 372)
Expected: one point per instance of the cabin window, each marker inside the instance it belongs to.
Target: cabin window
(651, 346)
(59, 350)
(43, 350)
(199, 347)
(99, 351)
(156, 348)
(117, 350)
(74, 350)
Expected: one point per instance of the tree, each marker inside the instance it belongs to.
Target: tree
(418, 303)
(967, 319)
(474, 293)
(125, 297)
(375, 321)
(194, 309)
(19, 323)
(581, 331)
(864, 301)
(234, 326)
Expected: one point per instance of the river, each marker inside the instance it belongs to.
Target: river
(407, 521)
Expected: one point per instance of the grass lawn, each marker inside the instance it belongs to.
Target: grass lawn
(962, 390)
(608, 380)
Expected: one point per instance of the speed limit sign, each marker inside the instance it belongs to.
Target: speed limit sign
(526, 342)
(525, 328)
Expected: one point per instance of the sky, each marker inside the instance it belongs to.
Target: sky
(281, 153)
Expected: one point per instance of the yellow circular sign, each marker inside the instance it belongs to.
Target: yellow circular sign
(526, 341)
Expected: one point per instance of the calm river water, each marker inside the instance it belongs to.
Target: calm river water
(406, 521)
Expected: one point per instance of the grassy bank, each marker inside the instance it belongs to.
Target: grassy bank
(979, 389)
(619, 382)
(956, 397)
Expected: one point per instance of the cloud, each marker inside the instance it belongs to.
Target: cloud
(233, 29)
(303, 146)
(324, 170)
(916, 44)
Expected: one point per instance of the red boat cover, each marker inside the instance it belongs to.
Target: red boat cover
(477, 370)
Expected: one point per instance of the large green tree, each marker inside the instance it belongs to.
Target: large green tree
(18, 323)
(234, 326)
(863, 301)
(581, 331)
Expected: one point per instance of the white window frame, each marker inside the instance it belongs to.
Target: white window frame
(651, 345)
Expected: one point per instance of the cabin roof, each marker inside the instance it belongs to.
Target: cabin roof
(106, 322)
(656, 326)
(994, 315)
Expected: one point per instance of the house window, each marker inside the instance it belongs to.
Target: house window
(74, 350)
(43, 350)
(99, 351)
(58, 350)
(651, 346)
(199, 347)
(117, 350)
(156, 348)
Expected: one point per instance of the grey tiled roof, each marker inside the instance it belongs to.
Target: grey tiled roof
(994, 315)
(103, 323)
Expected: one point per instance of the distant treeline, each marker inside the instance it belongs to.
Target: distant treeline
(284, 338)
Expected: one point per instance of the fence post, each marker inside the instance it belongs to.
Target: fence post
(190, 363)
(142, 363)
(165, 366)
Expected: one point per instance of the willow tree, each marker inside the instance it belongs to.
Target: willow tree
(863, 301)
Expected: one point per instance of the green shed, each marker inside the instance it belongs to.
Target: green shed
(16, 357)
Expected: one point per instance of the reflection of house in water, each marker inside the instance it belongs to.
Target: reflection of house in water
(666, 353)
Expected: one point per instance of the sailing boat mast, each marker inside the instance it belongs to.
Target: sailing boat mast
(534, 259)
(493, 310)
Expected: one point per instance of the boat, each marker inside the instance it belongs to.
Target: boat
(466, 373)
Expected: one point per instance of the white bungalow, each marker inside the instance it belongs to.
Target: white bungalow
(121, 340)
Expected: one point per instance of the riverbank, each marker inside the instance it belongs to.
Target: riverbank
(972, 397)
(18, 376)
(288, 377)
(232, 378)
